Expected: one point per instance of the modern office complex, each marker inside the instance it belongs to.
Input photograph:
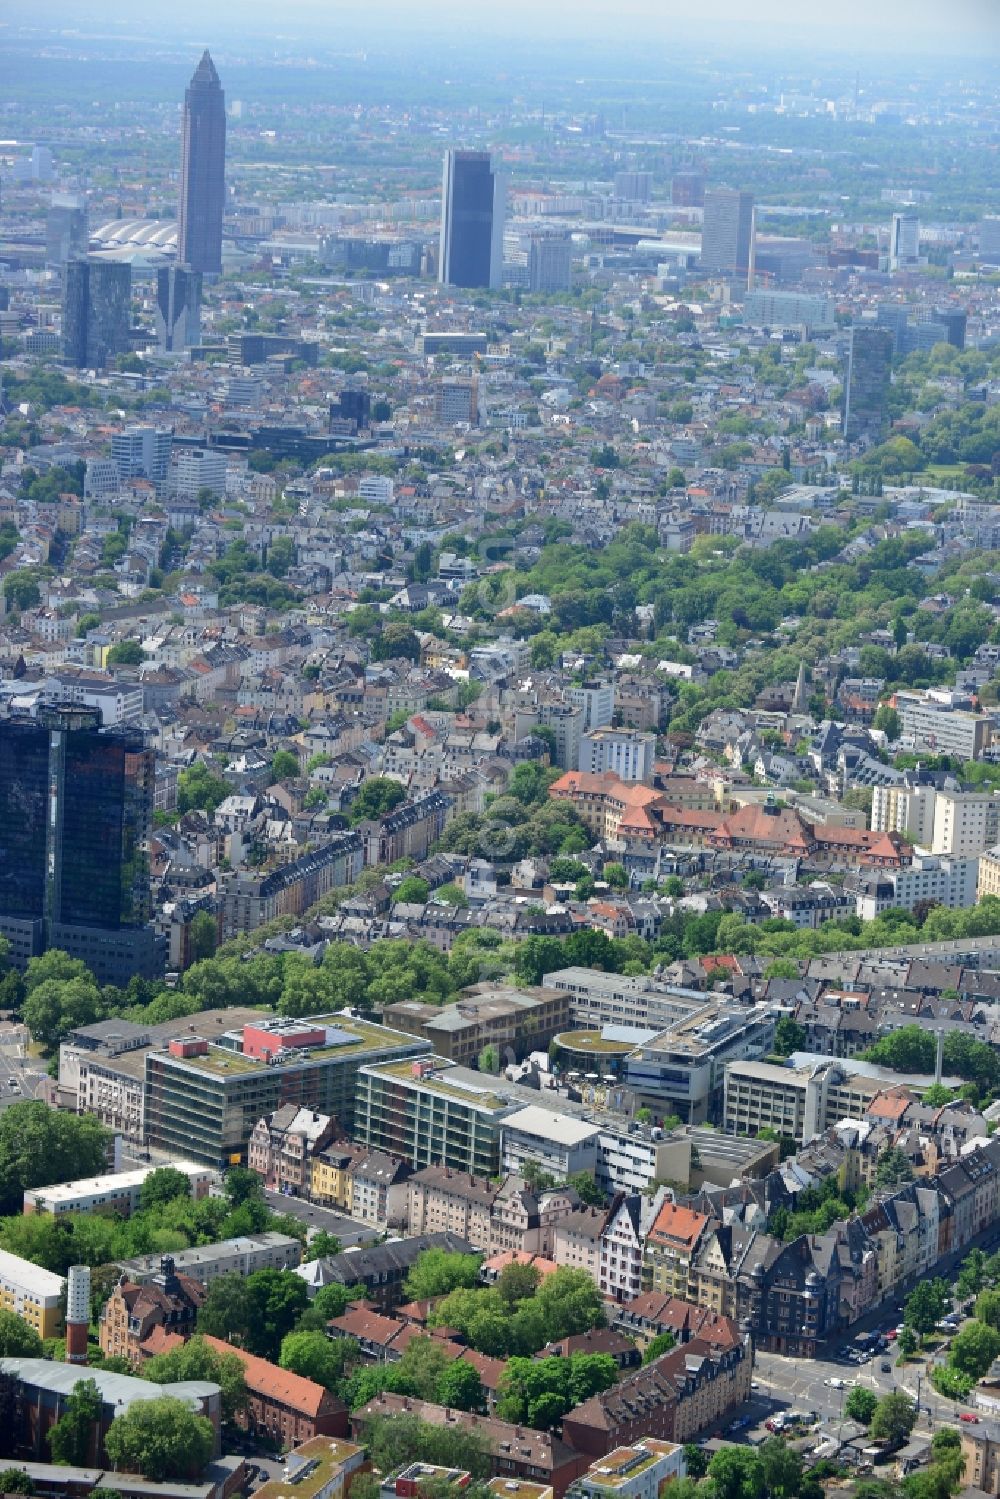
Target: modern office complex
(143, 452)
(866, 386)
(728, 233)
(202, 1099)
(430, 1112)
(178, 308)
(472, 220)
(97, 298)
(76, 804)
(203, 171)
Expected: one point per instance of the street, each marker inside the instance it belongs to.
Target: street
(21, 1075)
(348, 1230)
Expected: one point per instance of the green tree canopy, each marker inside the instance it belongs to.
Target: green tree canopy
(161, 1439)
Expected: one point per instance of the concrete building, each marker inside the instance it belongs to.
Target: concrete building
(117, 1193)
(206, 1262)
(965, 822)
(904, 241)
(142, 452)
(473, 210)
(788, 309)
(981, 1454)
(626, 753)
(429, 1112)
(938, 729)
(799, 1102)
(682, 1070)
(597, 699)
(97, 308)
(198, 469)
(556, 1143)
(637, 1472)
(945, 881)
(906, 808)
(727, 239)
(210, 1095)
(320, 1469)
(513, 1020)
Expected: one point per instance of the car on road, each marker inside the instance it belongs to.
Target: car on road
(834, 1383)
(968, 1416)
(885, 1366)
(892, 1334)
(754, 1385)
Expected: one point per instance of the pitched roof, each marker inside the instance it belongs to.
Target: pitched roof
(274, 1383)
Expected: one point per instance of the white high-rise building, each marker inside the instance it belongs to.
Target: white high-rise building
(143, 452)
(904, 241)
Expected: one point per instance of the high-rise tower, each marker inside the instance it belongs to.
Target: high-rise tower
(728, 233)
(76, 807)
(203, 171)
(866, 388)
(97, 309)
(178, 308)
(473, 207)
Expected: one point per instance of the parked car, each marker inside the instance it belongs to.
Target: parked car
(968, 1416)
(885, 1366)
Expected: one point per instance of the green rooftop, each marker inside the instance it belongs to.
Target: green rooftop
(592, 1043)
(360, 1038)
(437, 1082)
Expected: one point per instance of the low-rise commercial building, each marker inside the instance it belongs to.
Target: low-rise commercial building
(515, 1021)
(318, 1469)
(802, 1101)
(206, 1262)
(118, 1192)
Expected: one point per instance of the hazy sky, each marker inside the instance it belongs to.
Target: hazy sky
(945, 25)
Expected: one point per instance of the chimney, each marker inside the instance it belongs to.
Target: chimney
(77, 1313)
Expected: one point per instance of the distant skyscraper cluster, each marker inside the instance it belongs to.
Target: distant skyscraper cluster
(473, 209)
(203, 171)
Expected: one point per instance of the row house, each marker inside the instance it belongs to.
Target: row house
(283, 1144)
(495, 1217)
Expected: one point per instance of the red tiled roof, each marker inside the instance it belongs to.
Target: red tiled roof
(301, 1395)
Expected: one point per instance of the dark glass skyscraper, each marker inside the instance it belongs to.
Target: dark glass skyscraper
(75, 814)
(97, 310)
(473, 203)
(203, 171)
(178, 308)
(866, 387)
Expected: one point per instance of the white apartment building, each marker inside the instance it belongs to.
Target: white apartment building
(946, 881)
(627, 752)
(597, 699)
(965, 822)
(376, 489)
(200, 468)
(936, 728)
(905, 809)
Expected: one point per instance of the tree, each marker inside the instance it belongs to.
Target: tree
(56, 1007)
(436, 1273)
(126, 653)
(203, 935)
(333, 1300)
(974, 1349)
(789, 1036)
(39, 1146)
(160, 1439)
(198, 1360)
(893, 1169)
(662, 1343)
(21, 590)
(413, 890)
(782, 1468)
(17, 1339)
(860, 1405)
(587, 1189)
(284, 766)
(393, 1441)
(888, 720)
(73, 1438)
(316, 1357)
(695, 1460)
(736, 1473)
(945, 1440)
(165, 1184)
(397, 641)
(459, 1387)
(489, 1060)
(616, 876)
(937, 1096)
(516, 1283)
(926, 1305)
(200, 788)
(324, 1245)
(377, 796)
(15, 1481)
(894, 1418)
(907, 1342)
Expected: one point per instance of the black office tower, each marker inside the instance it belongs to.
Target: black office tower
(75, 814)
(203, 171)
(178, 308)
(727, 235)
(473, 201)
(866, 386)
(66, 232)
(97, 309)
